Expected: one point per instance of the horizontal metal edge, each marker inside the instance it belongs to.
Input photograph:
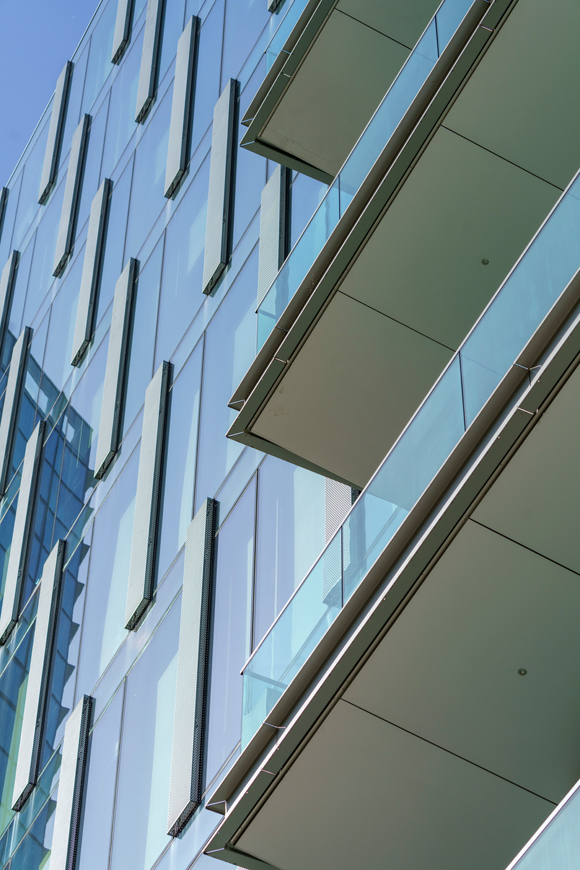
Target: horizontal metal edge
(294, 52)
(357, 223)
(257, 368)
(259, 146)
(416, 563)
(251, 440)
(241, 859)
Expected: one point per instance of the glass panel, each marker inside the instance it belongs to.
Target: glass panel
(73, 110)
(298, 629)
(517, 311)
(305, 197)
(232, 615)
(99, 66)
(121, 124)
(92, 171)
(93, 852)
(103, 623)
(147, 198)
(177, 505)
(34, 851)
(558, 846)
(143, 335)
(291, 13)
(181, 295)
(245, 20)
(207, 88)
(229, 350)
(140, 832)
(172, 30)
(291, 534)
(28, 201)
(43, 258)
(448, 18)
(251, 168)
(298, 263)
(237, 480)
(20, 289)
(62, 325)
(8, 224)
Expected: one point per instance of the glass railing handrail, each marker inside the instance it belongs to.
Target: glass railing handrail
(494, 344)
(556, 843)
(290, 15)
(378, 132)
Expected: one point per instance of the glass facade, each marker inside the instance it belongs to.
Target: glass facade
(271, 516)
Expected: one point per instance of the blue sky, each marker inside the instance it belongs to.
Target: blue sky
(38, 37)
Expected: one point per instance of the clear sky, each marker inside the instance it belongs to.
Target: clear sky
(37, 38)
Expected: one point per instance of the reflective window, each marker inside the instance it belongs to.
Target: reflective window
(291, 535)
(33, 852)
(99, 66)
(95, 840)
(172, 30)
(207, 87)
(73, 110)
(43, 258)
(147, 198)
(181, 295)
(140, 832)
(245, 19)
(121, 125)
(306, 196)
(28, 200)
(104, 618)
(8, 224)
(229, 349)
(20, 289)
(231, 629)
(143, 335)
(92, 172)
(177, 508)
(250, 172)
(57, 365)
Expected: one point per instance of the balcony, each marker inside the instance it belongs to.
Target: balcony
(419, 228)
(556, 845)
(328, 66)
(421, 673)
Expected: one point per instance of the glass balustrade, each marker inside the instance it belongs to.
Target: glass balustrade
(557, 846)
(290, 14)
(373, 140)
(489, 351)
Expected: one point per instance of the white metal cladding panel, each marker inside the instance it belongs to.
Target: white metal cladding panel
(39, 677)
(55, 131)
(181, 108)
(21, 535)
(219, 201)
(149, 58)
(84, 325)
(187, 755)
(71, 786)
(273, 229)
(7, 281)
(72, 194)
(122, 35)
(337, 498)
(116, 371)
(148, 497)
(12, 402)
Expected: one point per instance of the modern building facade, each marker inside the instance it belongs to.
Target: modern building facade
(289, 327)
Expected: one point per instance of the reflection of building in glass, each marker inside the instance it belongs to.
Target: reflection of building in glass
(288, 328)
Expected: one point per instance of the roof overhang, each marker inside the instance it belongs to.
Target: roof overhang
(335, 67)
(420, 250)
(411, 730)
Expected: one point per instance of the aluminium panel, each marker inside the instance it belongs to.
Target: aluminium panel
(181, 107)
(71, 784)
(122, 35)
(12, 403)
(149, 59)
(116, 370)
(22, 534)
(148, 497)
(7, 282)
(39, 677)
(55, 133)
(273, 228)
(3, 202)
(92, 266)
(189, 723)
(273, 5)
(221, 182)
(72, 196)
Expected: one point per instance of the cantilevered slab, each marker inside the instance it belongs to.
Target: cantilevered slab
(427, 254)
(329, 76)
(148, 498)
(39, 677)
